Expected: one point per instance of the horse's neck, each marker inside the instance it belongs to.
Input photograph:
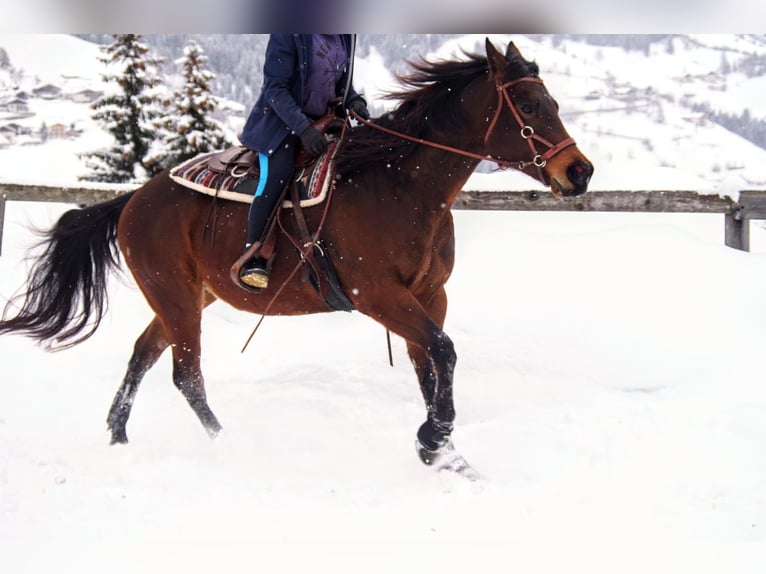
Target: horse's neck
(445, 173)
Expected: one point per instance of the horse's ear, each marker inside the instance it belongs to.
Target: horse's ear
(512, 52)
(495, 60)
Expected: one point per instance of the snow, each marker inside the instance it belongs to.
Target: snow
(54, 56)
(609, 389)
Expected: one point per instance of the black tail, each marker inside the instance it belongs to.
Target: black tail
(65, 297)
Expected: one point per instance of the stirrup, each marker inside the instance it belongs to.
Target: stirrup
(253, 274)
(257, 278)
(250, 272)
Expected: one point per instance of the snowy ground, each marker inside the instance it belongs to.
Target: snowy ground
(609, 389)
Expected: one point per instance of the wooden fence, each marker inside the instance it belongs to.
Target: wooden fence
(737, 213)
(750, 204)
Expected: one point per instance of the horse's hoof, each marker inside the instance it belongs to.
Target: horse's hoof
(118, 438)
(446, 458)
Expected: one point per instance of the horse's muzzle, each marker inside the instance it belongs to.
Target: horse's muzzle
(579, 173)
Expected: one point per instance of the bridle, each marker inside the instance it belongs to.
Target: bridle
(527, 132)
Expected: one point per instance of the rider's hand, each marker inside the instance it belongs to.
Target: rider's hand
(360, 108)
(314, 141)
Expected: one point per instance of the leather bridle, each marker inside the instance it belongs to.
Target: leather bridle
(527, 132)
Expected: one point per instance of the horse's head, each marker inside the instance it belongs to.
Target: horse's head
(525, 128)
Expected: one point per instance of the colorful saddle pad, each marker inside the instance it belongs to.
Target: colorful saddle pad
(239, 185)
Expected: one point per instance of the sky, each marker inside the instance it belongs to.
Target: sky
(522, 16)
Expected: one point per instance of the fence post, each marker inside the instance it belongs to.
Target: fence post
(738, 228)
(2, 219)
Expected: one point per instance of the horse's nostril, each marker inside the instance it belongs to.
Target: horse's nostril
(579, 172)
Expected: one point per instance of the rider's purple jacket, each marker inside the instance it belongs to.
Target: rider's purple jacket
(278, 110)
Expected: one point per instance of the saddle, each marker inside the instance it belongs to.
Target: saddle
(233, 173)
(236, 161)
(239, 161)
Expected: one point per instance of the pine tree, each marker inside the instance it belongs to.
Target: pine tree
(191, 130)
(130, 114)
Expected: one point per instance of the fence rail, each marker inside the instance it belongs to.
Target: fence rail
(751, 204)
(624, 201)
(78, 195)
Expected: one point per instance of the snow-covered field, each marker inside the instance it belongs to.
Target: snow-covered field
(609, 389)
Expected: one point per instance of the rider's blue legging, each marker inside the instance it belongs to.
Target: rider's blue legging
(275, 171)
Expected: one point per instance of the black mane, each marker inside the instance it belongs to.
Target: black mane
(430, 101)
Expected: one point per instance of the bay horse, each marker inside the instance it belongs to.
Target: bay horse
(388, 231)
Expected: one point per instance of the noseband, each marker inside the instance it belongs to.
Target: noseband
(527, 132)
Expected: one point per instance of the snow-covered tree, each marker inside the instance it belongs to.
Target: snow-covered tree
(191, 129)
(130, 113)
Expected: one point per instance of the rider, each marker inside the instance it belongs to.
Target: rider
(302, 74)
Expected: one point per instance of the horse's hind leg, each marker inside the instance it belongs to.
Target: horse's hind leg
(148, 348)
(187, 375)
(182, 317)
(187, 372)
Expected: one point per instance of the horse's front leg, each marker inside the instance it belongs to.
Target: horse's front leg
(435, 367)
(433, 356)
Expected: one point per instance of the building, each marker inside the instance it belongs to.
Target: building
(47, 92)
(85, 96)
(14, 106)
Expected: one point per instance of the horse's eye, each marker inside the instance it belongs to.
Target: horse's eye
(527, 109)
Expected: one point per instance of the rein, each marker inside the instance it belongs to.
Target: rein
(527, 132)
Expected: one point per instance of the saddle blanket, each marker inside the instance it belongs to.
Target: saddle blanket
(196, 175)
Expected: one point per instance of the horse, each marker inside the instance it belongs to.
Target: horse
(388, 230)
